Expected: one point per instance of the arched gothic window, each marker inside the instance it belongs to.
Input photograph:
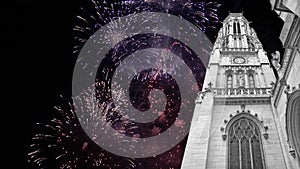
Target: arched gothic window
(244, 143)
(238, 28)
(251, 81)
(234, 28)
(229, 81)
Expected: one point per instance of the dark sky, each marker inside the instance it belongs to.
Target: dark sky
(45, 45)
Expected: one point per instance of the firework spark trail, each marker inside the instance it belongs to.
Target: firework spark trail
(91, 17)
(61, 143)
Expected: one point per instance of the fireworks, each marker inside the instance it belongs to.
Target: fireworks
(62, 143)
(127, 102)
(95, 14)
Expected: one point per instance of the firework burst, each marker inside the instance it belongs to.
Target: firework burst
(94, 14)
(61, 143)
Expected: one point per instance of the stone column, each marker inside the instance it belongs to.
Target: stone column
(218, 80)
(245, 45)
(256, 81)
(246, 80)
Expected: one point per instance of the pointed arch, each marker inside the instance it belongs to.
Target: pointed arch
(293, 122)
(251, 81)
(229, 78)
(251, 78)
(229, 81)
(245, 149)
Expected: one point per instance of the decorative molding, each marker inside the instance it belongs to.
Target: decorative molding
(288, 90)
(292, 115)
(265, 134)
(200, 96)
(292, 153)
(247, 114)
(224, 136)
(241, 100)
(209, 88)
(273, 84)
(241, 91)
(275, 61)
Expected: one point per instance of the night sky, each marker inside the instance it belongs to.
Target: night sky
(45, 49)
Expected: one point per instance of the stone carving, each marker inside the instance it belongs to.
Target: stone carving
(209, 88)
(200, 96)
(241, 80)
(276, 62)
(293, 153)
(243, 113)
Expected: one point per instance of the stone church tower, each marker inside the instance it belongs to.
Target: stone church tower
(233, 125)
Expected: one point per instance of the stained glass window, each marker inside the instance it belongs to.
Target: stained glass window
(245, 151)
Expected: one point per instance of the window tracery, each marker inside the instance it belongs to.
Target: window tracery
(244, 143)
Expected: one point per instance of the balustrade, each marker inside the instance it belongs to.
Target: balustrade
(242, 91)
